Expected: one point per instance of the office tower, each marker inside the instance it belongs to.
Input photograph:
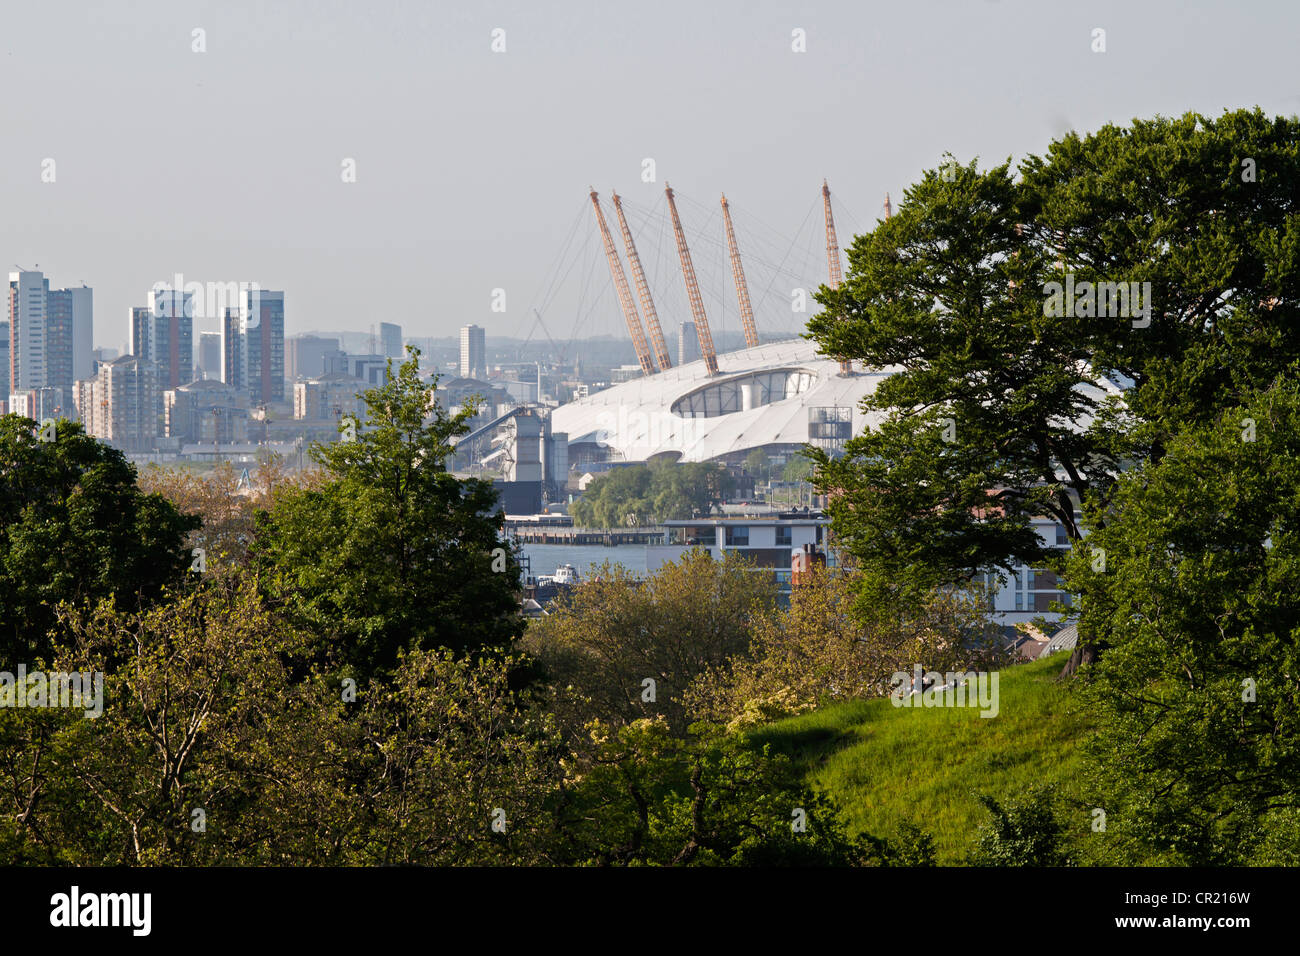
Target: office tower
(101, 356)
(58, 343)
(262, 335)
(390, 340)
(305, 355)
(26, 330)
(141, 330)
(473, 352)
(83, 331)
(4, 361)
(48, 341)
(83, 397)
(688, 344)
(172, 339)
(163, 333)
(209, 364)
(233, 371)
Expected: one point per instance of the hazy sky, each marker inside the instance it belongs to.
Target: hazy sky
(473, 166)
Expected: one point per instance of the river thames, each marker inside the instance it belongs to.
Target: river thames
(546, 558)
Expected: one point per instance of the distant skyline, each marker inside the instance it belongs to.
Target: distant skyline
(472, 166)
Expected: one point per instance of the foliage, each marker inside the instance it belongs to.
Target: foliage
(203, 714)
(391, 551)
(977, 436)
(646, 797)
(650, 494)
(827, 646)
(615, 632)
(445, 753)
(227, 510)
(196, 716)
(74, 527)
(798, 468)
(1022, 833)
(1198, 696)
(993, 417)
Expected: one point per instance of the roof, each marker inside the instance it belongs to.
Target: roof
(637, 418)
(644, 417)
(1063, 640)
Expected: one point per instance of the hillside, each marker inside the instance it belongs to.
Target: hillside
(889, 765)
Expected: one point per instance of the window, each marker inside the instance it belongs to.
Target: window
(737, 537)
(784, 535)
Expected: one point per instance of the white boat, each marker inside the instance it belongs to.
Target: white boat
(566, 574)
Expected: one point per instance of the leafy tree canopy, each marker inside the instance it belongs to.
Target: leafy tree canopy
(1005, 404)
(74, 527)
(392, 551)
(1198, 747)
(649, 494)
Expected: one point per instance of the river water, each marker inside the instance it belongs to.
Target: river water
(547, 557)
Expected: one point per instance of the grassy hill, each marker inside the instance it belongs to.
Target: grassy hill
(888, 765)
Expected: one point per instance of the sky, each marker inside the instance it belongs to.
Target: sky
(472, 165)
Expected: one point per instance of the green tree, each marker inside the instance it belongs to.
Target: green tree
(1005, 408)
(74, 527)
(211, 751)
(647, 797)
(620, 648)
(977, 434)
(1023, 833)
(660, 491)
(1191, 578)
(391, 551)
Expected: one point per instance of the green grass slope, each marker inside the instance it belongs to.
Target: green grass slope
(888, 765)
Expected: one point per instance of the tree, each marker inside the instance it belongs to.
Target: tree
(211, 750)
(197, 715)
(392, 551)
(227, 511)
(620, 649)
(1191, 577)
(453, 770)
(1203, 209)
(74, 527)
(826, 646)
(653, 493)
(1005, 407)
(977, 433)
(1023, 833)
(647, 797)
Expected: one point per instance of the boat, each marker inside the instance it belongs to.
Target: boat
(566, 574)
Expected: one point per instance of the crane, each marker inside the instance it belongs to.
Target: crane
(643, 290)
(693, 290)
(833, 260)
(738, 273)
(624, 294)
